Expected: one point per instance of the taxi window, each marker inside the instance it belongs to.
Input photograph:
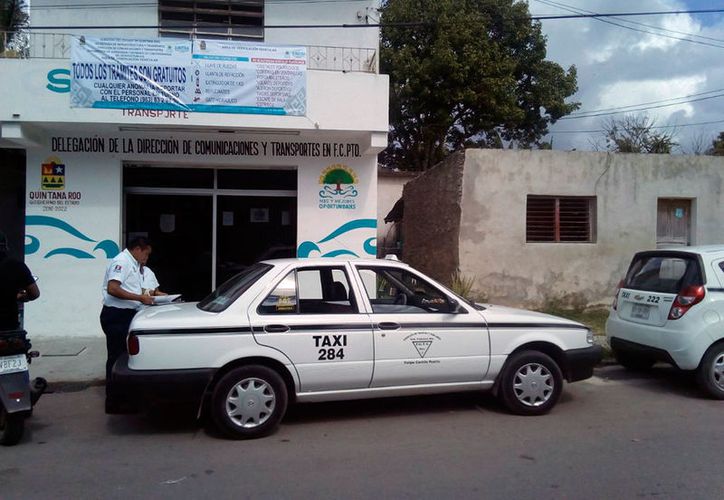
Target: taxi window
(393, 290)
(316, 290)
(232, 289)
(283, 299)
(663, 273)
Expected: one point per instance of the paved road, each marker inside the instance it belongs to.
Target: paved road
(614, 436)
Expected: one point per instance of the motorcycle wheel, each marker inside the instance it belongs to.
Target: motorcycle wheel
(11, 427)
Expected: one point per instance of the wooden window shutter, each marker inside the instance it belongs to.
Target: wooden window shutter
(559, 219)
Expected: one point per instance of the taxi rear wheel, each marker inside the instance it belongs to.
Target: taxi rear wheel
(711, 371)
(249, 402)
(531, 383)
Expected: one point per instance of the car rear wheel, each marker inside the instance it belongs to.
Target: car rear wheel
(633, 362)
(711, 371)
(531, 383)
(249, 402)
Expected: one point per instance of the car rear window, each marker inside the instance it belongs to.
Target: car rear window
(230, 290)
(663, 273)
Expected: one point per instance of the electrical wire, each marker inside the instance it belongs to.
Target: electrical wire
(655, 127)
(411, 24)
(572, 8)
(155, 4)
(645, 108)
(625, 108)
(631, 28)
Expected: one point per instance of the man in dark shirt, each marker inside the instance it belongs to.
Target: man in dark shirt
(16, 285)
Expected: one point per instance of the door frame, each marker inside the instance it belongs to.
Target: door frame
(214, 192)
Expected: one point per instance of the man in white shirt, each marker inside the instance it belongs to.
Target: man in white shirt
(122, 297)
(149, 282)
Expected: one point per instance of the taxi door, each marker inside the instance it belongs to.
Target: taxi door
(312, 315)
(420, 335)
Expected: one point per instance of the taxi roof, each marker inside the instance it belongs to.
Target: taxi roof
(330, 260)
(709, 252)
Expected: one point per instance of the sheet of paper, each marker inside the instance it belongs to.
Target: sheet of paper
(165, 299)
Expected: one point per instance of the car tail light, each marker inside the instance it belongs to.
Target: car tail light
(614, 306)
(688, 297)
(133, 345)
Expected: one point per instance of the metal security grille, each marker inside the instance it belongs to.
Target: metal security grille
(560, 219)
(226, 19)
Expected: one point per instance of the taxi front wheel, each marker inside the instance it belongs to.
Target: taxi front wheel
(531, 383)
(249, 402)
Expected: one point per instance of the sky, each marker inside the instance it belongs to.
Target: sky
(619, 67)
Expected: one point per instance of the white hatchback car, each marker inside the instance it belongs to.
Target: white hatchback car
(670, 307)
(320, 330)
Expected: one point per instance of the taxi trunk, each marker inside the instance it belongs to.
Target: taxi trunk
(658, 287)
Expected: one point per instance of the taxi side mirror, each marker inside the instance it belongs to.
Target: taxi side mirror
(454, 306)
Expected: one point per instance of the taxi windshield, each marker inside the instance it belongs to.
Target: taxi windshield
(232, 289)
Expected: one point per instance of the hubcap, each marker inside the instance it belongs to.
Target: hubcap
(533, 384)
(250, 403)
(718, 371)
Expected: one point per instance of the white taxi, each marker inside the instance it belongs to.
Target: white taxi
(306, 330)
(670, 308)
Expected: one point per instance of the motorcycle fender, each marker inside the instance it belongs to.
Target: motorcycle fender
(15, 383)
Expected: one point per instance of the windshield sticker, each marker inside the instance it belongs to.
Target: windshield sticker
(286, 303)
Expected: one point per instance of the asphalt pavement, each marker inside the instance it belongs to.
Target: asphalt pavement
(617, 435)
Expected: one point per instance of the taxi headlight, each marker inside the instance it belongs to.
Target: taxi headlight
(589, 337)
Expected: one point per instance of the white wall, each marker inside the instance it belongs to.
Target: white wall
(281, 12)
(94, 13)
(493, 246)
(336, 101)
(276, 12)
(70, 281)
(69, 303)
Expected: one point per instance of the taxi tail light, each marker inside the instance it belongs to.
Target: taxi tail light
(134, 347)
(614, 306)
(687, 298)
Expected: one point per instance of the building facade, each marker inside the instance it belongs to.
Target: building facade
(554, 228)
(213, 190)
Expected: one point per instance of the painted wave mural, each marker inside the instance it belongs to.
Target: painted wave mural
(329, 246)
(108, 248)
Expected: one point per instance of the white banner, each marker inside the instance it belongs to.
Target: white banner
(212, 76)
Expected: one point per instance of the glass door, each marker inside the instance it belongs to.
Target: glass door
(253, 228)
(180, 231)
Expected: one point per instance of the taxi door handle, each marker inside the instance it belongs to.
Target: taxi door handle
(388, 325)
(276, 328)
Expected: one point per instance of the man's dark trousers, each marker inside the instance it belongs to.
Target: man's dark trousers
(115, 322)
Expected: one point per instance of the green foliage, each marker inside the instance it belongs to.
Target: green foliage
(462, 285)
(473, 75)
(717, 146)
(637, 134)
(13, 18)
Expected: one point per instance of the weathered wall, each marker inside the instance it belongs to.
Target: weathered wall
(431, 225)
(508, 270)
(389, 190)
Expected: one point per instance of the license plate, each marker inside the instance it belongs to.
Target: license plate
(640, 311)
(13, 364)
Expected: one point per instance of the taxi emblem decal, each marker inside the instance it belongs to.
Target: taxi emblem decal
(422, 341)
(422, 346)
